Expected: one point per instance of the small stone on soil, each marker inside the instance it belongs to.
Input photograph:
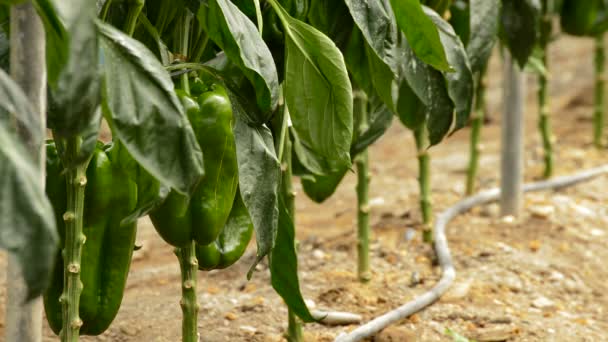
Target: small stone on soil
(542, 211)
(231, 316)
(543, 303)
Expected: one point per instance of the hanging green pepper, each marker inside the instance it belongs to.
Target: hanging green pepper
(106, 256)
(232, 242)
(203, 218)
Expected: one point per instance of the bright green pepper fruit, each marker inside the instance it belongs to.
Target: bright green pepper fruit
(178, 221)
(106, 255)
(583, 17)
(232, 242)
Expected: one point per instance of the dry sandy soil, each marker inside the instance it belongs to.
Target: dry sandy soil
(541, 278)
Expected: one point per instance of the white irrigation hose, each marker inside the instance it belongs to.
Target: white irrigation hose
(443, 253)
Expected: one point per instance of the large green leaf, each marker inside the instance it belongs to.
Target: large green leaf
(318, 92)
(460, 81)
(429, 85)
(368, 71)
(145, 114)
(484, 21)
(332, 18)
(320, 187)
(238, 37)
(410, 109)
(377, 23)
(57, 44)
(519, 23)
(74, 101)
(421, 33)
(460, 19)
(27, 222)
(259, 174)
(284, 266)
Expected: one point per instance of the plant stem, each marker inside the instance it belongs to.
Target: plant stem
(183, 46)
(544, 123)
(104, 10)
(363, 177)
(476, 125)
(188, 266)
(598, 114)
(294, 328)
(76, 180)
(135, 7)
(424, 181)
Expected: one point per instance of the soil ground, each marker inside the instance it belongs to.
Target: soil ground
(542, 278)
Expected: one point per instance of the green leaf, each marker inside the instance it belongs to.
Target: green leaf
(75, 99)
(368, 71)
(320, 187)
(238, 37)
(332, 18)
(318, 92)
(460, 81)
(377, 23)
(27, 222)
(284, 266)
(460, 19)
(429, 85)
(259, 174)
(421, 33)
(519, 23)
(484, 19)
(145, 114)
(57, 43)
(411, 110)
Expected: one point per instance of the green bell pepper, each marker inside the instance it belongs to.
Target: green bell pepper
(232, 242)
(106, 255)
(178, 221)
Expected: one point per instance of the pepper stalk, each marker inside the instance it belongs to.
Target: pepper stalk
(476, 126)
(363, 178)
(544, 123)
(598, 114)
(188, 263)
(424, 181)
(76, 180)
(294, 327)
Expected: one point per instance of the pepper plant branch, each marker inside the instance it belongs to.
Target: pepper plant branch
(544, 123)
(76, 180)
(362, 162)
(294, 327)
(424, 182)
(444, 256)
(598, 113)
(476, 126)
(188, 265)
(134, 9)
